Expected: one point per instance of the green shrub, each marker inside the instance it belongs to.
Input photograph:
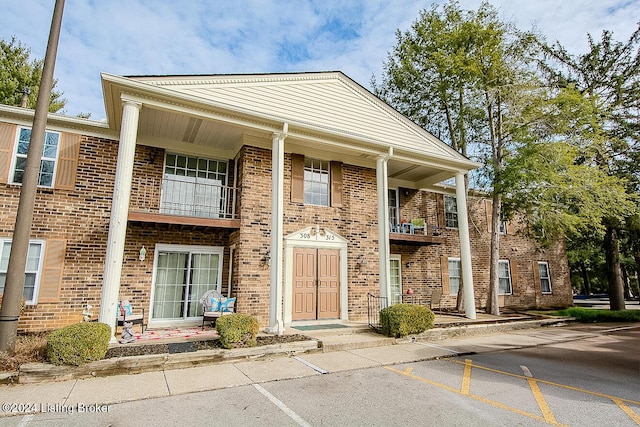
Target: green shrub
(590, 315)
(400, 320)
(79, 343)
(237, 330)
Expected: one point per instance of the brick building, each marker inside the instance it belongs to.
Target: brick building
(298, 194)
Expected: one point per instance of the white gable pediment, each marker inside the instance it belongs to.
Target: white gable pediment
(324, 101)
(315, 236)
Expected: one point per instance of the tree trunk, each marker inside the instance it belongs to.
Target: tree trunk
(636, 256)
(614, 278)
(495, 132)
(625, 283)
(586, 285)
(493, 305)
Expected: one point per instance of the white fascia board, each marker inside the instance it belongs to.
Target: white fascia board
(24, 117)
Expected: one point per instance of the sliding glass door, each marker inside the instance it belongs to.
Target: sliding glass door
(182, 275)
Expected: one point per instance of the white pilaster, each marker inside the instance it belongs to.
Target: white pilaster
(119, 214)
(383, 226)
(276, 324)
(465, 247)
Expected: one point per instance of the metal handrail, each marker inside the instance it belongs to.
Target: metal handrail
(375, 304)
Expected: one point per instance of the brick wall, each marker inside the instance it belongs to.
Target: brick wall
(425, 274)
(81, 217)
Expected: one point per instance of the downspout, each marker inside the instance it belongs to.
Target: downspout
(276, 323)
(384, 253)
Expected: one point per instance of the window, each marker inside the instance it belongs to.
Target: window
(194, 186)
(545, 277)
(316, 182)
(454, 275)
(393, 207)
(503, 227)
(504, 278)
(395, 279)
(33, 269)
(450, 212)
(47, 161)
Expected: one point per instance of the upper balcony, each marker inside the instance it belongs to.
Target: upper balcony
(416, 233)
(183, 201)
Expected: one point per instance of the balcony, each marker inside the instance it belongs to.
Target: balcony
(416, 233)
(183, 201)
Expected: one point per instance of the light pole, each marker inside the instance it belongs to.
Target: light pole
(13, 288)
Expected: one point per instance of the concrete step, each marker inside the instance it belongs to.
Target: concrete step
(353, 340)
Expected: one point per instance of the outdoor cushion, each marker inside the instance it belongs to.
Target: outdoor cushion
(214, 304)
(227, 305)
(124, 308)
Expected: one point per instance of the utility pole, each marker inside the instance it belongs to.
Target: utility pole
(13, 288)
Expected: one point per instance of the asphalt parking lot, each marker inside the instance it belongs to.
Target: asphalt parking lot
(573, 375)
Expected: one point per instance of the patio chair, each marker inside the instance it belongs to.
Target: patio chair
(436, 296)
(419, 226)
(125, 314)
(215, 305)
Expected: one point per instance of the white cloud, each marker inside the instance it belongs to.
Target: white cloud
(134, 37)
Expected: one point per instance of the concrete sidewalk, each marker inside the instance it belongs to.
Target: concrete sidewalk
(462, 337)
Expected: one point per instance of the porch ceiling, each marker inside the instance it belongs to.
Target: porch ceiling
(174, 127)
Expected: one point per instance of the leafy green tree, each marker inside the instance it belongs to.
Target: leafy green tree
(607, 81)
(462, 76)
(19, 75)
(470, 79)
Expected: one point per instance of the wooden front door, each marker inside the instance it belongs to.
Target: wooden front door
(316, 284)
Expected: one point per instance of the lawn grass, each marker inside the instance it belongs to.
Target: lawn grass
(591, 315)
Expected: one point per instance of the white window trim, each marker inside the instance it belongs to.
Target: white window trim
(459, 277)
(14, 158)
(36, 288)
(194, 249)
(503, 227)
(550, 291)
(396, 206)
(398, 258)
(510, 277)
(445, 212)
(328, 183)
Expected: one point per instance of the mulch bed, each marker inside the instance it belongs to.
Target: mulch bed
(162, 348)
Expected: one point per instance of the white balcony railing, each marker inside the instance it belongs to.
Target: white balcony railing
(184, 196)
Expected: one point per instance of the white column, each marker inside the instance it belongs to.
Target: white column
(276, 324)
(465, 247)
(383, 226)
(119, 214)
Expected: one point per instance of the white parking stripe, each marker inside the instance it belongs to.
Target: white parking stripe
(437, 346)
(311, 365)
(284, 408)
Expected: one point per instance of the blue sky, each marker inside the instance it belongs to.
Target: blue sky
(136, 37)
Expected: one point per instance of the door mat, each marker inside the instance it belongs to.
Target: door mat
(316, 327)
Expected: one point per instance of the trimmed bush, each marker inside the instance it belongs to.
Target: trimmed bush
(400, 320)
(78, 344)
(237, 330)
